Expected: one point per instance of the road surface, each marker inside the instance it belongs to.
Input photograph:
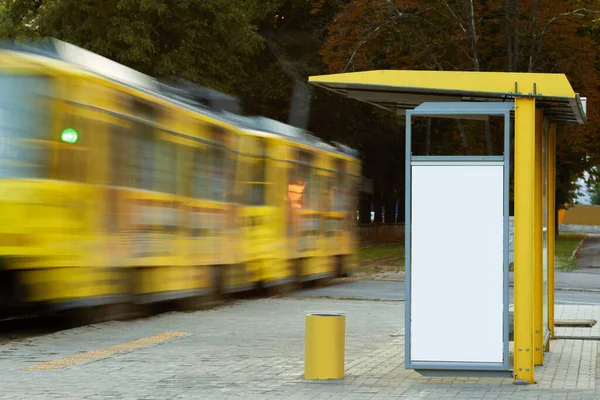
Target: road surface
(394, 291)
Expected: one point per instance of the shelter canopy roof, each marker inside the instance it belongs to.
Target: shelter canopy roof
(401, 89)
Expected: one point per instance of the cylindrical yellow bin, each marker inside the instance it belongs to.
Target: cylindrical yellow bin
(325, 346)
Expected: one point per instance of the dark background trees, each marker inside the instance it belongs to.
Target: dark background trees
(258, 50)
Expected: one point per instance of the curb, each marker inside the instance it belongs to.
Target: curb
(562, 289)
(574, 254)
(577, 290)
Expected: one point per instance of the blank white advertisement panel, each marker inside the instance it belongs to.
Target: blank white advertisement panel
(456, 267)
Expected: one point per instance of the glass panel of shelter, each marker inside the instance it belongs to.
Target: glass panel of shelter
(449, 136)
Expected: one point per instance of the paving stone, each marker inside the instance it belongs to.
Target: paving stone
(255, 349)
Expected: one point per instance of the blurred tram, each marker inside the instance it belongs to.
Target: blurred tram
(117, 188)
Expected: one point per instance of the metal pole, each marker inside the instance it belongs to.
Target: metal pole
(538, 301)
(551, 228)
(524, 243)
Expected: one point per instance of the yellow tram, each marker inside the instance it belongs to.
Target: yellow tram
(117, 188)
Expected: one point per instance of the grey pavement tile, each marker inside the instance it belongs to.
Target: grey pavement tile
(255, 349)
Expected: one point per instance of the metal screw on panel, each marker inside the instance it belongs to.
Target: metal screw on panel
(537, 331)
(527, 349)
(521, 369)
(527, 369)
(537, 348)
(520, 349)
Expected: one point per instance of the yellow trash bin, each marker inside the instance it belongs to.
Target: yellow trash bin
(325, 346)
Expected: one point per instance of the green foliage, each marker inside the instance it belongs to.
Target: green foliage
(595, 194)
(257, 50)
(203, 41)
(18, 18)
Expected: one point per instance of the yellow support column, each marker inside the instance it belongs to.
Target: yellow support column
(551, 153)
(524, 243)
(538, 301)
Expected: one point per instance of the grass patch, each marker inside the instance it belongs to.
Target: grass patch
(390, 258)
(566, 244)
(378, 252)
(378, 259)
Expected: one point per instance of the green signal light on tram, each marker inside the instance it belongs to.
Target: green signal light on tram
(69, 135)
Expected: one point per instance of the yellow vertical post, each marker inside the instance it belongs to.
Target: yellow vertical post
(523, 238)
(551, 154)
(324, 351)
(538, 268)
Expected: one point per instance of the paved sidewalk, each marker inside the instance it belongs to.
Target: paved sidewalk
(254, 349)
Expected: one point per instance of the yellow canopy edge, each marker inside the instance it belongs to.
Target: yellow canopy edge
(404, 89)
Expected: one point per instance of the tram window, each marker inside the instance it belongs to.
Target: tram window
(230, 168)
(200, 181)
(338, 195)
(303, 183)
(218, 174)
(296, 187)
(122, 156)
(315, 196)
(132, 156)
(213, 166)
(144, 134)
(166, 167)
(329, 193)
(254, 190)
(73, 158)
(24, 120)
(203, 185)
(144, 144)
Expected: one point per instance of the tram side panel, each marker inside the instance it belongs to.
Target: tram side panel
(111, 211)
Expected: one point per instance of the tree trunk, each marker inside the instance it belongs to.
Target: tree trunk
(377, 204)
(463, 136)
(509, 53)
(532, 55)
(515, 36)
(401, 206)
(364, 211)
(428, 137)
(472, 33)
(488, 138)
(390, 207)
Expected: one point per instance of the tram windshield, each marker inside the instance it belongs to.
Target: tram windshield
(24, 118)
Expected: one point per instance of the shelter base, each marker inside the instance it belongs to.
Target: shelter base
(465, 373)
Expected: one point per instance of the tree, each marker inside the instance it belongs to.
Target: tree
(595, 195)
(203, 41)
(294, 35)
(491, 35)
(17, 18)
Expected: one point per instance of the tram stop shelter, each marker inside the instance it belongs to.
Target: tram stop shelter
(457, 216)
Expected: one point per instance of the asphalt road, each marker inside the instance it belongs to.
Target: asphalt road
(394, 291)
